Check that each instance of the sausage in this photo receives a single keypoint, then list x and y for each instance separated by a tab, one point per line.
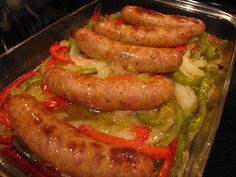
110	94
144	36
69	150
142	59
144	17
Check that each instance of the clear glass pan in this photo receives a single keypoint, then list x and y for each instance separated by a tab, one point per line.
29	54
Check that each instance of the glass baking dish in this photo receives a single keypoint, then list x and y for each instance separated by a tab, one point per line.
29	54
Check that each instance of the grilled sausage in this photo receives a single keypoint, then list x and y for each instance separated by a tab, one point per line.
110	94
142	59
70	151
144	36
144	17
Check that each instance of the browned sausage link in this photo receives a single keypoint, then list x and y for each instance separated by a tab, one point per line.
144	36
142	59
107	94
144	17
70	151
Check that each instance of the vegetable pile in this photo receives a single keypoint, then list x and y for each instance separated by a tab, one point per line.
164	133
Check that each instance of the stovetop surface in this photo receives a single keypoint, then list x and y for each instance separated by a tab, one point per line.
19	21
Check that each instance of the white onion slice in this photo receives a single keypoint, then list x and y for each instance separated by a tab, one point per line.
188	67
185	97
103	68
212	66
200	63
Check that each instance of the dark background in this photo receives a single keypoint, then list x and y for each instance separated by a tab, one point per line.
24	21
222	159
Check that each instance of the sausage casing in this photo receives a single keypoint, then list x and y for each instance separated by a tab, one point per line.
142	59
144	36
144	17
69	150
107	94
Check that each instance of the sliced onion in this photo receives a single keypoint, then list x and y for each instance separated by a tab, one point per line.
199	63
121	132
64	43
74	55
188	67
81	61
104	69
212	66
185	97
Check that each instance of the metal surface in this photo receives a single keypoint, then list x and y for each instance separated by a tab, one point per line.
28	55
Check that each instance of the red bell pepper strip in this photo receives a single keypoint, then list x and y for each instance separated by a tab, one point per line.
45	88
96	12
195	49
181	48
49	173
6	91
4	118
166	166
30	157
142	133
92	22
6	140
50	63
4	121
21	162
155	152
57	52
46	168
118	21
212	38
41	163
54	103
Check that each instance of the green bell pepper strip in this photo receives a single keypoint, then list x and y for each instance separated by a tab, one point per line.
210	49
91	24
145	119
6	91
211	52
114	16
101	18
144	76
182	144
174	132
15	160
206	84
157	165
179	77
23	150
72	42
87	70
23	87
152	120
28	155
